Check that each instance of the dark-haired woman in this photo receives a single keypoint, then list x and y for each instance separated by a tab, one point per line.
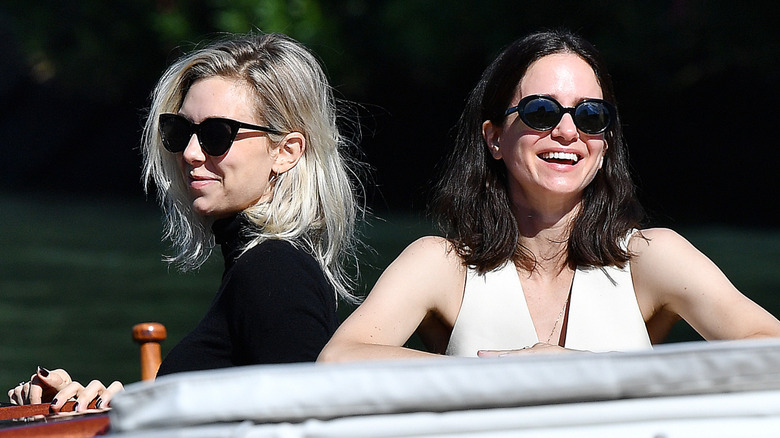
543	251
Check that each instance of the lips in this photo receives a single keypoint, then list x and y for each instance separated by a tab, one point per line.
569	158
196	177
200	181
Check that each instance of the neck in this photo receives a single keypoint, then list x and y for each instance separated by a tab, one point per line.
544	228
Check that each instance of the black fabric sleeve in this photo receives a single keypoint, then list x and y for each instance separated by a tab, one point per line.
274	306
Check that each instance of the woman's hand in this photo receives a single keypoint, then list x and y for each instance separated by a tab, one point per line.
41	388
57	387
538	348
84	396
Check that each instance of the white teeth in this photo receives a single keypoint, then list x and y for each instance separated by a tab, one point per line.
559	156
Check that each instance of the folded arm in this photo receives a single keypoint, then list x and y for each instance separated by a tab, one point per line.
425	280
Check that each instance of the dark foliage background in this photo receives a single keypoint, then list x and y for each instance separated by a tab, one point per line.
697	83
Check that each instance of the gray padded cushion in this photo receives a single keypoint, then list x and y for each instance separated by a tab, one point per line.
299	392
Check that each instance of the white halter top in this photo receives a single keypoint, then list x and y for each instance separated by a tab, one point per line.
603	313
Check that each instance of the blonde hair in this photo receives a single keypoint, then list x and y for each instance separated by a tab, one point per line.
314	204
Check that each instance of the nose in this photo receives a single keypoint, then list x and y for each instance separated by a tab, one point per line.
193	153
566	130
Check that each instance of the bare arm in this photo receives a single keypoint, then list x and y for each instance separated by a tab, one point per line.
426	279
672	277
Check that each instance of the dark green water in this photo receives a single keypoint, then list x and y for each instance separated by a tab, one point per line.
76	275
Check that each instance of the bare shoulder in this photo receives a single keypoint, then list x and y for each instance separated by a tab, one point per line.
437	248
670	271
660	252
654	239
658	255
430	256
431	243
429	269
661	245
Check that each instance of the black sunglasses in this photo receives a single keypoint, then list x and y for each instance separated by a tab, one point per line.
215	135
543	113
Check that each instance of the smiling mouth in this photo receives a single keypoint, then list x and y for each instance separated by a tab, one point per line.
569	158
194	177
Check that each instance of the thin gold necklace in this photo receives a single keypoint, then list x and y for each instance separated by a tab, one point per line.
560	315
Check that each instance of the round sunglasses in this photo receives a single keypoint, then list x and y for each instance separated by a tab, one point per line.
543	113
215	135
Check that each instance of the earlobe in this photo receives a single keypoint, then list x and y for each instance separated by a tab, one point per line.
491	133
289	152
603	156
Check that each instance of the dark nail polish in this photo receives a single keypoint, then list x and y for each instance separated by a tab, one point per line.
43	371
54	402
76	407
98	403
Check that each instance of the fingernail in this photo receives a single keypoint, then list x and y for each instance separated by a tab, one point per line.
76	407
98	403
53	402
43	371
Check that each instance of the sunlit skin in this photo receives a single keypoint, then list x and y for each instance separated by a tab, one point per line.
422	290
541	185
224	185
546	193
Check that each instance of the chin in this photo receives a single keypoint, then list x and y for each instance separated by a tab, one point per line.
202	209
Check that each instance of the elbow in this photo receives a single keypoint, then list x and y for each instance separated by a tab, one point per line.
766	334
770	330
340	351
331	353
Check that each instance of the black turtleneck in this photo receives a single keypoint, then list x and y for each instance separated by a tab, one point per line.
274	306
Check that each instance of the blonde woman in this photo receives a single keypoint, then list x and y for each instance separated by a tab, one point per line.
242	145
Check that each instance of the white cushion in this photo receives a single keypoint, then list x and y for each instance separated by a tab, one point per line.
299	395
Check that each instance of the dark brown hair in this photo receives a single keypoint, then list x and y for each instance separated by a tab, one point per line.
471	203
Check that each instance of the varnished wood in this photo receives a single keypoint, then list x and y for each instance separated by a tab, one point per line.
37	420
149	335
61	425
11	412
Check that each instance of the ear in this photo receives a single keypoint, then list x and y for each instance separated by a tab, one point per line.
288	152
492	134
603	155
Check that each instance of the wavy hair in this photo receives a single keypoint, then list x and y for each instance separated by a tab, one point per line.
314	204
471	203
